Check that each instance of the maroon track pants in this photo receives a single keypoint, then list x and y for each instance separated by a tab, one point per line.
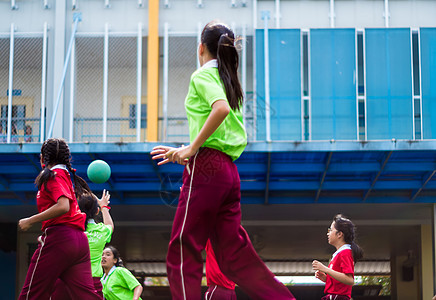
63	253
209	208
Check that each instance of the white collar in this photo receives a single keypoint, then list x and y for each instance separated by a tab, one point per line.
59	166
105	277
343	247
213	63
91	221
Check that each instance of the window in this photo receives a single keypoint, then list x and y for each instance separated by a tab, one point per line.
18	116
132	116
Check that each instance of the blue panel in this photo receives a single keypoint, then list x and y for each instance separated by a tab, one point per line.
428	80
285	84
388	83
333	84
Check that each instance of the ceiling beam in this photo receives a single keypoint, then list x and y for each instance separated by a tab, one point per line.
429	177
377	176
327	164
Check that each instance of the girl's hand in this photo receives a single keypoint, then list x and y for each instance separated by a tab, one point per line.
25	224
182	155
162	152
105	199
318	266
321	276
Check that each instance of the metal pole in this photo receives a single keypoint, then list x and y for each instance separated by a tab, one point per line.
165	81
254	107
244	70
412	83
76	17
420	86
45	4
386	13
277	13
309	85
11	81
356	78
72	90
13	5
138	83
43	83
332	13
265	17
364	85
105	79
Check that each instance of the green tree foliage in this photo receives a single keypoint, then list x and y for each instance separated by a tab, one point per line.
384	281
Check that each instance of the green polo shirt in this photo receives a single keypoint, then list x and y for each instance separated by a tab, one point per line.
119	284
98	235
204	89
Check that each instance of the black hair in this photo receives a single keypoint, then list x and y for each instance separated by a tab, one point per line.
219	40
116	254
88	204
56	151
347	227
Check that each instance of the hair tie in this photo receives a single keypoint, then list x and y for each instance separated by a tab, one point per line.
43	166
74	170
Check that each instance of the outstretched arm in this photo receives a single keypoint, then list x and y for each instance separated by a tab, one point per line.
60	208
220	110
104	202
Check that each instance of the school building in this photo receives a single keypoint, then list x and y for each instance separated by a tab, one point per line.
340	112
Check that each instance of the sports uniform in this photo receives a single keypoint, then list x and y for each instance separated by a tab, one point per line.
98	235
118	284
209	203
342	261
63	251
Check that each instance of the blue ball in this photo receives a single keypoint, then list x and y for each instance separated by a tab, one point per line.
99	171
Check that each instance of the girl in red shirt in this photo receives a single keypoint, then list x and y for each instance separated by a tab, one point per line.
63	250
339	275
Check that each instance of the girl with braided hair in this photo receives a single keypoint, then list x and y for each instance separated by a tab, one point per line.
339	275
63	250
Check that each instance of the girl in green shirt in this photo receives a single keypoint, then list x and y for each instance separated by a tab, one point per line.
209	203
118	283
99	234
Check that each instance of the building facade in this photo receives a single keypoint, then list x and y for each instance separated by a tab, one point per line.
340	112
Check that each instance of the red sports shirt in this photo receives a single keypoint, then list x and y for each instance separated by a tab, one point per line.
57	187
214	276
343	262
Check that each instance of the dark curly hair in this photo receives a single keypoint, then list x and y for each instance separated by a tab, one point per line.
56	151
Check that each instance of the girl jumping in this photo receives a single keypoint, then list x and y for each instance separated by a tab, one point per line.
63	251
209	203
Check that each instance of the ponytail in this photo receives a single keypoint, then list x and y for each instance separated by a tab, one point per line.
88	204
220	42
347	227
357	251
228	62
43	177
